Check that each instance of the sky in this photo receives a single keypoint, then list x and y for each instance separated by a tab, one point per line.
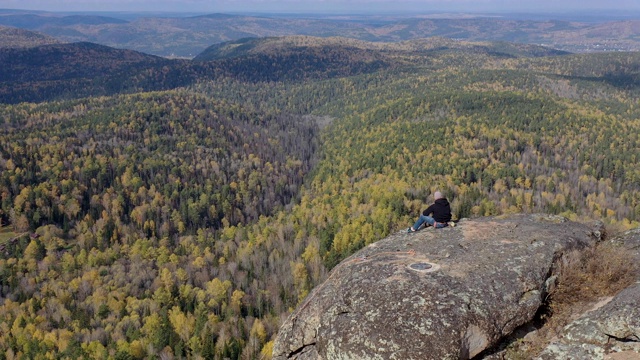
325	6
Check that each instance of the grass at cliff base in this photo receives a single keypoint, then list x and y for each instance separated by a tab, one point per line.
588	279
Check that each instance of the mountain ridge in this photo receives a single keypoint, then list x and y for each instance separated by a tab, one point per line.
11	37
252	46
188	36
83	69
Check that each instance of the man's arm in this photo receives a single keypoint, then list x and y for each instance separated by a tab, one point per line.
429	211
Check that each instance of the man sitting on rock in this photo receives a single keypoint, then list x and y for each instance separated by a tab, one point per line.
437	215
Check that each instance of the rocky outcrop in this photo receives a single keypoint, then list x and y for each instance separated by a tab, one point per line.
612	330
436	294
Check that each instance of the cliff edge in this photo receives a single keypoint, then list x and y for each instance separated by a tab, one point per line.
449	293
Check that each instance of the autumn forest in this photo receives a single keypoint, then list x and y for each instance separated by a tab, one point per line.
186	211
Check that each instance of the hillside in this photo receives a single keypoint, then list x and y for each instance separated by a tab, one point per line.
275	45
66	71
19	38
189	222
185	37
79	70
179	143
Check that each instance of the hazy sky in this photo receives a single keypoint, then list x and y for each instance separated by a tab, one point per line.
357	6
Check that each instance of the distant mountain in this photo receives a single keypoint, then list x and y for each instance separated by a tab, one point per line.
611	36
188	36
19	38
45	21
302	63
274	45
279	45
84	69
45	63
79	70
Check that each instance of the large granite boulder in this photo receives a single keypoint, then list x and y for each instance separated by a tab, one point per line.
436	294
611	330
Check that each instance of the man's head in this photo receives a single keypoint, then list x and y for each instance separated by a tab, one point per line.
438	195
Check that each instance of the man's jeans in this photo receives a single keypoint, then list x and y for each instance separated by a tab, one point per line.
429	220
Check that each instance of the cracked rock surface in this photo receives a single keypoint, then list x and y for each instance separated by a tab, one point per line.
611	331
436	294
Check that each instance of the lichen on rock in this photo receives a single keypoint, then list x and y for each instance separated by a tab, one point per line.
487	277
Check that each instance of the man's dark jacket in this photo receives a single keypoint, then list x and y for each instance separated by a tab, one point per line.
441	211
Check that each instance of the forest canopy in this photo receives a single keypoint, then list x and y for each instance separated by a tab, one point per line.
187	223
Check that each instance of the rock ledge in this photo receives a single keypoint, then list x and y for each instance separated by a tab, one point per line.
436	294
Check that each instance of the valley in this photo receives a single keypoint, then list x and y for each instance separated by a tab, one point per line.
184	207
